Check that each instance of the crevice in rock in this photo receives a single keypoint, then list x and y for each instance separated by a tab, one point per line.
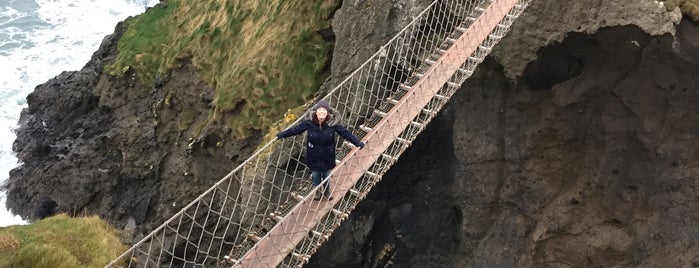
555	66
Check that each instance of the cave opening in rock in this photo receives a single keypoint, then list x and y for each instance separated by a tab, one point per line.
554	64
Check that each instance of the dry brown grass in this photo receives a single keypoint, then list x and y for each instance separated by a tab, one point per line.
9	244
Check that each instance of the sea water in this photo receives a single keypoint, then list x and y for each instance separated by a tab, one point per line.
39	39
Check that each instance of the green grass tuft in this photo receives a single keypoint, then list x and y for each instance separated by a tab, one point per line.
59	241
143	47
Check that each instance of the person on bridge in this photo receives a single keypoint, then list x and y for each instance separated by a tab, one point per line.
320	126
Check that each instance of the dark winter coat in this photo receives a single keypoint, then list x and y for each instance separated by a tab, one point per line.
320	139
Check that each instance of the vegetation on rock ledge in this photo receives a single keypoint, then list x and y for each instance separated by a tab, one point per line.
262	57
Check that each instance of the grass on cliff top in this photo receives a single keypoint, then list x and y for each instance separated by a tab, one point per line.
59	241
261	56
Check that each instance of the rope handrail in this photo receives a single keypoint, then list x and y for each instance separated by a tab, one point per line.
387	101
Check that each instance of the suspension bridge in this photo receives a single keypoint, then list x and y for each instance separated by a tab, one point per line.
262	213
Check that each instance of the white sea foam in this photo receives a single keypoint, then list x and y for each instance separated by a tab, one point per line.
39	40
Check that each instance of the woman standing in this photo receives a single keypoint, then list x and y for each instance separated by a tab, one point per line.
320	126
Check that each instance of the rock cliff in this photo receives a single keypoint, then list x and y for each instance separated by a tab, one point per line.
106	145
573	146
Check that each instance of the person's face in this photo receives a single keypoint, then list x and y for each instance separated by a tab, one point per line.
321	113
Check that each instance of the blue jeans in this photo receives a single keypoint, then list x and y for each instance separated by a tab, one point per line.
319	176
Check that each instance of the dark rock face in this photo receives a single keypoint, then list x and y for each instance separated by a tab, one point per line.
45	209
597	169
61	121
362	27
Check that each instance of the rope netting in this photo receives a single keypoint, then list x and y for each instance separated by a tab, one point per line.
262	214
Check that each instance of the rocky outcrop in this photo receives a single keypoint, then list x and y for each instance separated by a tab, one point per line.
361	27
549	22
578	154
107	145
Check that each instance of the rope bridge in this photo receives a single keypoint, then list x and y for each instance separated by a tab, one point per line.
262	213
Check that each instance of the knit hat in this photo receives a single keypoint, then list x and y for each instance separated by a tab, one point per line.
322	104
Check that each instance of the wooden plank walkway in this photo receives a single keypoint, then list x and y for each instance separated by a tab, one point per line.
271	250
